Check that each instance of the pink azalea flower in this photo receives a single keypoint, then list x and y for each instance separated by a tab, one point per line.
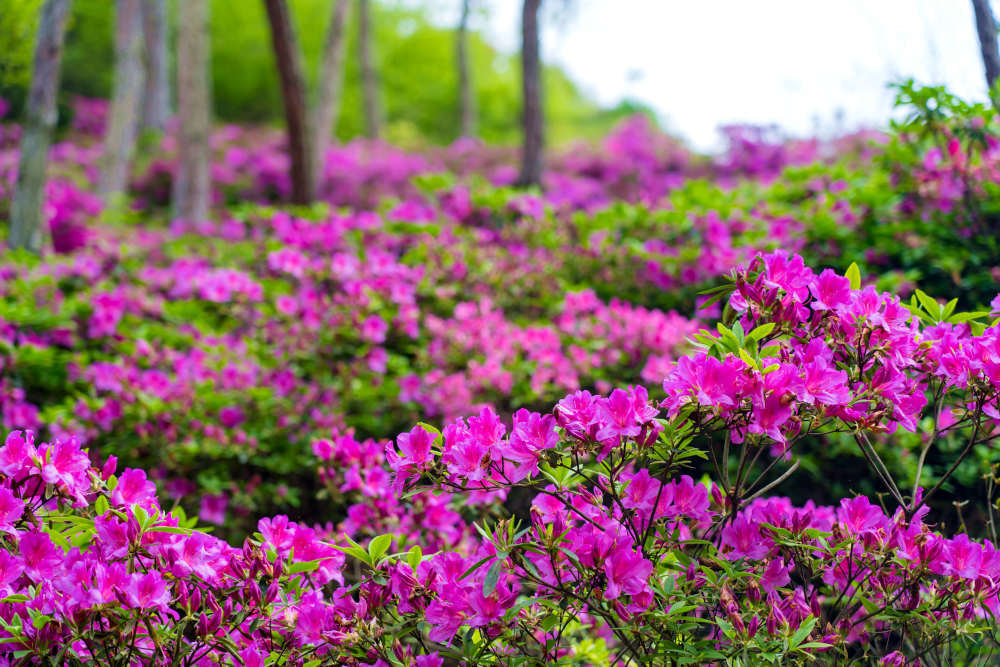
133	489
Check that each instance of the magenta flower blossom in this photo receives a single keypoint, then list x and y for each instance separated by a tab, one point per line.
532	433
617	413
17	454
12	568
148	591
742	539
489	609
231	416
414	450
859	516
445	619
63	463
770	415
42	558
374	329
133	488
628	574
213	508
775	575
963	557
830	291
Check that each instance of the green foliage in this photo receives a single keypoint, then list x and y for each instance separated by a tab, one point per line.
18	23
415	60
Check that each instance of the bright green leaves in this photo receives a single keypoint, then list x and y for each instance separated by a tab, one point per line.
736	342
853	274
930	311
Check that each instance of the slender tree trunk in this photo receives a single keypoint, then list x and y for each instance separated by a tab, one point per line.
986	27
40	119
192	187
466	97
123	116
156	103
369	75
293	93
533	123
331	78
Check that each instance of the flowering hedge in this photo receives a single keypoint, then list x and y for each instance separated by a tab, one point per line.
213	353
622	555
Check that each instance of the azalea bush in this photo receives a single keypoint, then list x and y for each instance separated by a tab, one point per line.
631	423
213	353
622	555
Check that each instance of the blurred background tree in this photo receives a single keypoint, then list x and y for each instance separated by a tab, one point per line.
415	60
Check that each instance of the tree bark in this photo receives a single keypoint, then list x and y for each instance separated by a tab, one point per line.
331	78
369	75
123	117
156	104
467	100
192	186
293	93
533	123
40	119
986	27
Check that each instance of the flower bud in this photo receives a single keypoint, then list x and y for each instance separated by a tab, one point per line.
202	627
272	593
183	598
109	467
196	599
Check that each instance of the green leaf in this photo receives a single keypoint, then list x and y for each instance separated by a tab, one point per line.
355	551
738	332
959	318
378	546
475	567
760	332
932	307
101	505
177	530
726	627
414	557
142	516
949	308
853	274
748	360
16	597
549	622
308	566
493	575
800	635
524	604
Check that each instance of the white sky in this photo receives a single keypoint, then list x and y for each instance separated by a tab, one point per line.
704	63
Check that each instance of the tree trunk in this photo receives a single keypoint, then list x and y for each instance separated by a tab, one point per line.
293	93
156	104
192	186
331	78
987	28
123	117
467	100
533	124
369	76
40	119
